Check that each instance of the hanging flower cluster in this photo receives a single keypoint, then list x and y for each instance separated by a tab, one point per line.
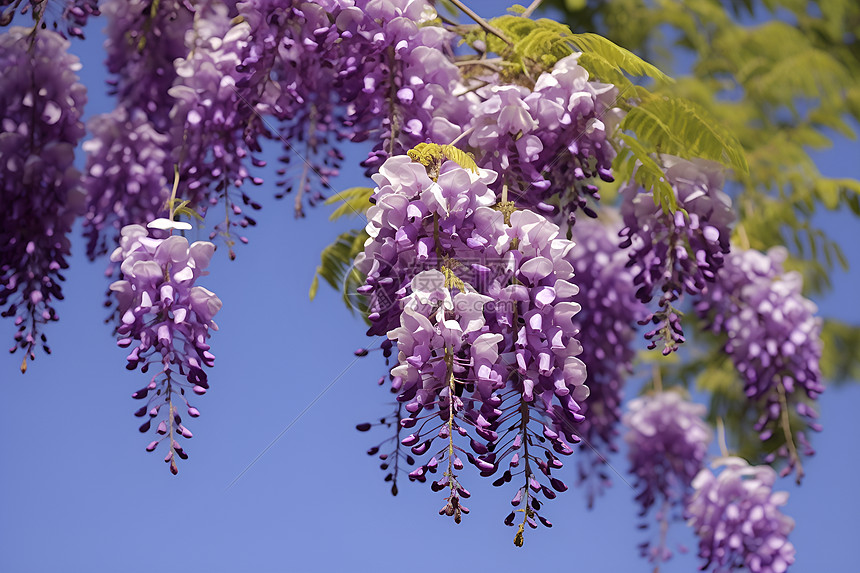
165	320
492	357
737	516
773	337
680	253
41	102
607	327
667	442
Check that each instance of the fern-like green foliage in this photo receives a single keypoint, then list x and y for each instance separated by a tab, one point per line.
840	361
353	202
775	62
428	154
599	54
536	45
634	161
678	127
336	267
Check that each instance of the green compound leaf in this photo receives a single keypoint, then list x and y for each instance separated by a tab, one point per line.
635	161
538	44
353	201
678	127
337	269
595	46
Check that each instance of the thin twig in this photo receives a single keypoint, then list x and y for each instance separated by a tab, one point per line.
721	437
657	379
742	235
786	428
462	136
532	7
481	22
483	63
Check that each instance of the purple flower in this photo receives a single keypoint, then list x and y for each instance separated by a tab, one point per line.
667	443
74	16
737	518
165	319
550	140
484	326
774	339
607	329
125	177
676	254
41	102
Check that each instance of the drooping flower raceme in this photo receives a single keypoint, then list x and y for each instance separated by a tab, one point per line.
130	156
681	253
216	127
550	140
607	328
41	102
737	517
667	442
480	305
348	70
125	175
165	320
774	339
73	16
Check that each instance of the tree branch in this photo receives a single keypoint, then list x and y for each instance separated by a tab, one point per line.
480	21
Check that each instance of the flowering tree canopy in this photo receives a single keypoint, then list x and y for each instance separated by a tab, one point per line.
546	215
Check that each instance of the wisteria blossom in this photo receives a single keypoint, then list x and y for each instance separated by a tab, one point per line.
499	335
607	328
667	442
41	103
737	517
773	337
671	255
165	318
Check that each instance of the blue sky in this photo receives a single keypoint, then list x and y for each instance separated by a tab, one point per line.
78	493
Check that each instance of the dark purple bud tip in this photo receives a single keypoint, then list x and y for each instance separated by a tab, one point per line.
545	521
361	352
363	428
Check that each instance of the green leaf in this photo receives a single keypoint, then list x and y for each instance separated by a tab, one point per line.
337	269
833	192
634	161
840	360
678	127
539	44
315	285
353	201
596	45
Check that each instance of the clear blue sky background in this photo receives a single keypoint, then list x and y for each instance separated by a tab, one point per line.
78	493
